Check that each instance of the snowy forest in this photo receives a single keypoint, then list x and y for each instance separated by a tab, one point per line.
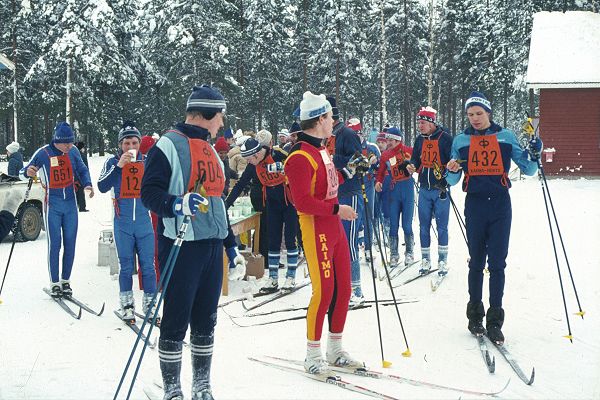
97	62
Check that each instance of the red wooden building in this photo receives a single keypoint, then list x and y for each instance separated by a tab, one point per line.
564	69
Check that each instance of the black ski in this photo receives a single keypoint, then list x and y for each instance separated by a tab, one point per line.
64	305
84	306
277	295
142	316
414	278
490	362
277	321
136	329
514	365
395	272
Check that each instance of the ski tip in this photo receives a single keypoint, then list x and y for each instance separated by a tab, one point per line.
532	376
79	315
407	353
386	364
101	310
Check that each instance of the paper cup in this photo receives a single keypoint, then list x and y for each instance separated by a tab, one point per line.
133	153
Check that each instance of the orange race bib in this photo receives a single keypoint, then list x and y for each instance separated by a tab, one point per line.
131	180
61	172
332	178
397	173
268	178
205	164
484	156
430	153
330	145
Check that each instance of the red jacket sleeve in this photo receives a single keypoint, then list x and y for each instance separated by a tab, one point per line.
299	172
385	156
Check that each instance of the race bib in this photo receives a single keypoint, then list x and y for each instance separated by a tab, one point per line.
205	165
131	180
430	153
484	156
332	177
397	173
330	145
61	172
268	178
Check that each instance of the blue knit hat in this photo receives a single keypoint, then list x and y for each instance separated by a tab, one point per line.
63	133
228	134
250	147
335	112
295	128
128	129
394	133
478	99
205	99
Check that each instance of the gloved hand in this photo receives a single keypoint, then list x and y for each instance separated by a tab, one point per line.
359	163
189	204
239	270
275	167
534	148
13	200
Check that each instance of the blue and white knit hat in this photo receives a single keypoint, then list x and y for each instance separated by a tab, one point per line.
206	99
128	129
394	133
63	133
313	105
250	147
478	99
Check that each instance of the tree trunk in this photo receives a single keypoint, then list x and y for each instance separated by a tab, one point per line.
383	87
68	115
15	85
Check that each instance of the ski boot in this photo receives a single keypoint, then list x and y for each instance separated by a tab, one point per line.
66	288
169	355
314	363
289	284
270	287
202	351
425	266
337	356
55	290
394	257
146	302
356	301
442	268
127	306
494	322
475	314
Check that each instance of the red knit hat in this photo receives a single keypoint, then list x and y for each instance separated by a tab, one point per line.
221	145
427	114
381	137
146	144
354	124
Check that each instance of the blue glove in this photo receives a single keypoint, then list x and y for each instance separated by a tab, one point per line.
188	204
534	148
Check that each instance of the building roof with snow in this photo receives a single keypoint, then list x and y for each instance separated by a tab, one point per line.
564	50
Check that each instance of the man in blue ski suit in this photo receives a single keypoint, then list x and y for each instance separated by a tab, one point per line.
56	164
343	145
401	195
132	225
484	152
371	152
430	154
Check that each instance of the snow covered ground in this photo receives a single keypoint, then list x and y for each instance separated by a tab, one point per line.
45	354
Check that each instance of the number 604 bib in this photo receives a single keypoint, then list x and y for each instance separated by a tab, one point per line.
484	156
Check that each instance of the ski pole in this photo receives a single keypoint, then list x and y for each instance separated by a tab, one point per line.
164	282
529	130
15	226
461	222
368	226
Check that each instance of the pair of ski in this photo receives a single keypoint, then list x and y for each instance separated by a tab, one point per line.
334	378
396	271
490	361
82	306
